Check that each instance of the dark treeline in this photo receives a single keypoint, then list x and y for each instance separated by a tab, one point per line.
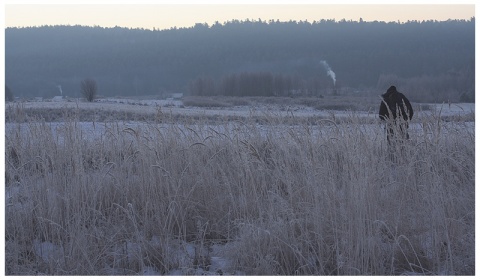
270	58
257	84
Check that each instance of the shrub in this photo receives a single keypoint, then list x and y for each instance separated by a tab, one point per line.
89	89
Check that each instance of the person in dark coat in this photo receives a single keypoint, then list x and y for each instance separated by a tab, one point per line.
396	111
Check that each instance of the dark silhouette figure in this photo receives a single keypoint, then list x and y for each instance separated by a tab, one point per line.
396	111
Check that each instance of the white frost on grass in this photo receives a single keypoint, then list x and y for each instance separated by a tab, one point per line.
183	255
175	107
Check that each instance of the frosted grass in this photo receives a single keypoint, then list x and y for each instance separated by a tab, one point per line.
270	198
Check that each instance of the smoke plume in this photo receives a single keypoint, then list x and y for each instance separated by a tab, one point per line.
329	71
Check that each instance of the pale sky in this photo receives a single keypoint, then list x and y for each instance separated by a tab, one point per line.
163	16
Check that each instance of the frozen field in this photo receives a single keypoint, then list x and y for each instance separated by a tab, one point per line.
245	190
268	118
176	107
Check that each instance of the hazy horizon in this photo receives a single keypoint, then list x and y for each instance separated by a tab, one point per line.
159	16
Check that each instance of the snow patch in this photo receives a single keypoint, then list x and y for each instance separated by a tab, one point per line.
48	251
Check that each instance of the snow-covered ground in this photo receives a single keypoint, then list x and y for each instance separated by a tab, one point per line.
94	130
210	261
216	262
176	107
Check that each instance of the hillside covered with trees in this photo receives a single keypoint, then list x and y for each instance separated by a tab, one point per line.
432	60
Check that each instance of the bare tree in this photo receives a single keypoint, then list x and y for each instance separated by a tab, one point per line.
89	89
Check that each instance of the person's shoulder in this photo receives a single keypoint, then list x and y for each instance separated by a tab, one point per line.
401	95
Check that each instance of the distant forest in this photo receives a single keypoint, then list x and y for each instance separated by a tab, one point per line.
431	61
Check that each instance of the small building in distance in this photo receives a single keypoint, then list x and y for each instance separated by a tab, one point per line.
57	98
177	96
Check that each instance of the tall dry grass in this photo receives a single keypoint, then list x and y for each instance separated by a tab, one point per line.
323	199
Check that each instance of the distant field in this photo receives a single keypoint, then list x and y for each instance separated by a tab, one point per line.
263	187
302	109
